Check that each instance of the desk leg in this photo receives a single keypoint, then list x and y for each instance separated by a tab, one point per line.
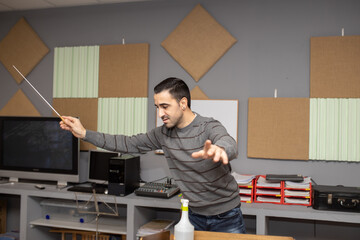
261	224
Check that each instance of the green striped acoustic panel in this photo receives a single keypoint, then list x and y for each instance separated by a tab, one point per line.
334	129
76	72
126	116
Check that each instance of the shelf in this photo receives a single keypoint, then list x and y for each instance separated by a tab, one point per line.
136	211
106	225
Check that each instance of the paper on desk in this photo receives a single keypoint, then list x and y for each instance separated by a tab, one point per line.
245	190
245	198
268	199
297	200
297	193
154	226
263	183
304	184
243	179
268	191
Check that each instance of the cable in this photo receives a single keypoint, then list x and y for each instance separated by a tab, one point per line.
168	181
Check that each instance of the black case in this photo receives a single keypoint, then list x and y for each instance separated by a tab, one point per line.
336	198
124	174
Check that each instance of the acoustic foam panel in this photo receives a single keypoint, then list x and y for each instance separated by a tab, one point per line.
19	105
335	67
127	116
197	94
23	48
124	70
198	42
278	128
334	129
76	72
84	108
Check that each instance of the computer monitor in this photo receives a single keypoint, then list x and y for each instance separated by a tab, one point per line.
37	148
99	166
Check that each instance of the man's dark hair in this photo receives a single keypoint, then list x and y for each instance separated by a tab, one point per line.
176	87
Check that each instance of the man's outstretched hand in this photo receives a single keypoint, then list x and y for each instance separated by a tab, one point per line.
211	151
74	126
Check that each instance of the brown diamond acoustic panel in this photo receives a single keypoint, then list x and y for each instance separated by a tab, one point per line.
23	48
19	105
198	42
335	67
124	70
278	128
198	94
84	108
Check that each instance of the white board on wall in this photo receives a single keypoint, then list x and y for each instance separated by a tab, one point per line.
225	111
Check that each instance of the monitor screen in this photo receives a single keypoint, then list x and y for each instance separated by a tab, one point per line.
99	166
37	148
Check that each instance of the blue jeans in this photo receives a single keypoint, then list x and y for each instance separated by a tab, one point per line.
231	221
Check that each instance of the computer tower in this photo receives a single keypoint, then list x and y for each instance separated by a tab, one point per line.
124	174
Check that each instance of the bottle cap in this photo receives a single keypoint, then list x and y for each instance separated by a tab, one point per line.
184	204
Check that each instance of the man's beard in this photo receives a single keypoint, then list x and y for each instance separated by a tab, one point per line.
169	123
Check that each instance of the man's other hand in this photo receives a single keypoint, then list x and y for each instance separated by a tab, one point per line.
211	151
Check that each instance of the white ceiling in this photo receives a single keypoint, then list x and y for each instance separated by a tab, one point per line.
14	5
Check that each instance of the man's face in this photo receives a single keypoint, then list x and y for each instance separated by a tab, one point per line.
169	109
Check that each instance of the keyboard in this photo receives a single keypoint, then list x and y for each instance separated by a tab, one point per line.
100	189
160	190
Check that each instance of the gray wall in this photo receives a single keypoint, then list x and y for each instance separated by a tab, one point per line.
272	52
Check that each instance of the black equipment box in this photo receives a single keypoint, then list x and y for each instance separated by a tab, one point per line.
124	174
336	198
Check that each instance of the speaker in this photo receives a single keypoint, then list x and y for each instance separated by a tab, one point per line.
124	174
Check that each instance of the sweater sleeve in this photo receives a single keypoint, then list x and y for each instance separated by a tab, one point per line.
219	136
139	143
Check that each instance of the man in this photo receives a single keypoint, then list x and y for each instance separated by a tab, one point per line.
197	150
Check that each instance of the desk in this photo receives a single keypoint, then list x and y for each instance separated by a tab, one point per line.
202	235
136	211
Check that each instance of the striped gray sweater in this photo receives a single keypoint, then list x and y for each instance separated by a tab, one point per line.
209	186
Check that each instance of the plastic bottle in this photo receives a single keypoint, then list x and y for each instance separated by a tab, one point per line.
184	230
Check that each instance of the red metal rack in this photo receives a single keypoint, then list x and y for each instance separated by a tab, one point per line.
247	192
283	192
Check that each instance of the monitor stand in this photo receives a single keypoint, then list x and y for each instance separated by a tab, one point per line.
61	184
13	179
